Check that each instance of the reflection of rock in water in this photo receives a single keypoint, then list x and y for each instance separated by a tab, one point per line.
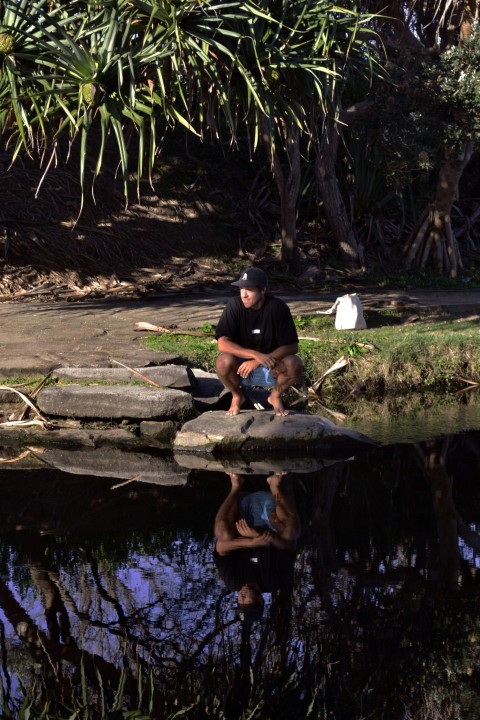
53	501
114	463
304	464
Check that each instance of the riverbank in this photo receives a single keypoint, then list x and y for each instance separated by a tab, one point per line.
399	352
37	337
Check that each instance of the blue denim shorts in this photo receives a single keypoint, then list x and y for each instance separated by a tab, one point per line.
260	377
256	508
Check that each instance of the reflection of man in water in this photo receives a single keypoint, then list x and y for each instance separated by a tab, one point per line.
256	536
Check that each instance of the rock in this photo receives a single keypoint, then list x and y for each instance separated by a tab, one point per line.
114	463
175	376
256	433
265	466
159	433
115	402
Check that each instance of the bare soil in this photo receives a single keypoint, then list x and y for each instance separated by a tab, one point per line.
48	251
193	230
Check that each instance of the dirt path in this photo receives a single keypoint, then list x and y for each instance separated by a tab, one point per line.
35	338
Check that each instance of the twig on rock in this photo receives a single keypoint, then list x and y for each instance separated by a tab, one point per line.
135	372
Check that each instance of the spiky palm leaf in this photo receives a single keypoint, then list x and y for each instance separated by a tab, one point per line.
123	64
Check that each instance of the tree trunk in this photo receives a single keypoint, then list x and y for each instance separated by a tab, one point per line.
433	236
287	180
333	204
445	513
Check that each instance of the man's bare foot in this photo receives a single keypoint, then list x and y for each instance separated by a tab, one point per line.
275	401
275	479
237	402
236	480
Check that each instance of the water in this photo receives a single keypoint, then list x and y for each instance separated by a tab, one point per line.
111	604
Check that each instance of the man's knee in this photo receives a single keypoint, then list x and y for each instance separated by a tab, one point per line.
224	363
292	366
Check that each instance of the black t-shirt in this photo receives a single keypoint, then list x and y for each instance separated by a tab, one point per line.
262	330
270	567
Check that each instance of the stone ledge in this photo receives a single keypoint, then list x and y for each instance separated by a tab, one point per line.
261	431
115	402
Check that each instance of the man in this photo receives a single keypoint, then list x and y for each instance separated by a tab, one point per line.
256	537
258	342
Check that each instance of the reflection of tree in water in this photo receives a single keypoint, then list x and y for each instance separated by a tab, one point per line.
382	620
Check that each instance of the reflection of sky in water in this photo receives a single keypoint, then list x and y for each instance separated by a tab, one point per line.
167	603
175	599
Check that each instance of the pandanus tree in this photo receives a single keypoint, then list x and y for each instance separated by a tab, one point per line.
292	55
453	84
126	67
428	119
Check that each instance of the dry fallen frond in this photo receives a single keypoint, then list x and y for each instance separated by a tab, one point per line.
15	459
25	423
342	362
40	420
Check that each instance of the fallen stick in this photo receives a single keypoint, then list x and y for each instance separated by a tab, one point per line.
33	395
465	380
126	482
158	328
330	340
135	372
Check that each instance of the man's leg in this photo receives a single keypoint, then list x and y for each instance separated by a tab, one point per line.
287	372
226	367
228	513
284	518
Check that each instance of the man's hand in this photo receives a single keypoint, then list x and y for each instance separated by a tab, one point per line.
247	367
266	538
244	529
269	361
258	539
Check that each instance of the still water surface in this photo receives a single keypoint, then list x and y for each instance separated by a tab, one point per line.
112	604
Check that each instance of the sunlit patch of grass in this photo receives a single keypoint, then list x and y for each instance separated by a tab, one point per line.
193	351
390	353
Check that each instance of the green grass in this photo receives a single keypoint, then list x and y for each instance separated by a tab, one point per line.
193	351
390	354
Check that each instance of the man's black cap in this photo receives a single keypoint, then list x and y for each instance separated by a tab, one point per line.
252	278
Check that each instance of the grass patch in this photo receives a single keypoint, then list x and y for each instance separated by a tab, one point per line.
192	351
391	355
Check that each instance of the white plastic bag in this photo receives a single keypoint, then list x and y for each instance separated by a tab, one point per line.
349	313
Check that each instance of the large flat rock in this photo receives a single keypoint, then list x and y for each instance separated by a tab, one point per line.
262	432
174	376
115	402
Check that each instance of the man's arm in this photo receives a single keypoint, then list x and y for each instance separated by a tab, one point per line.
223	547
267	359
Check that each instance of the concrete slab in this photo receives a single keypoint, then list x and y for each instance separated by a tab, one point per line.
115	402
173	376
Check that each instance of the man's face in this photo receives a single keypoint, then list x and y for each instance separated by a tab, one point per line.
252	298
249	596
